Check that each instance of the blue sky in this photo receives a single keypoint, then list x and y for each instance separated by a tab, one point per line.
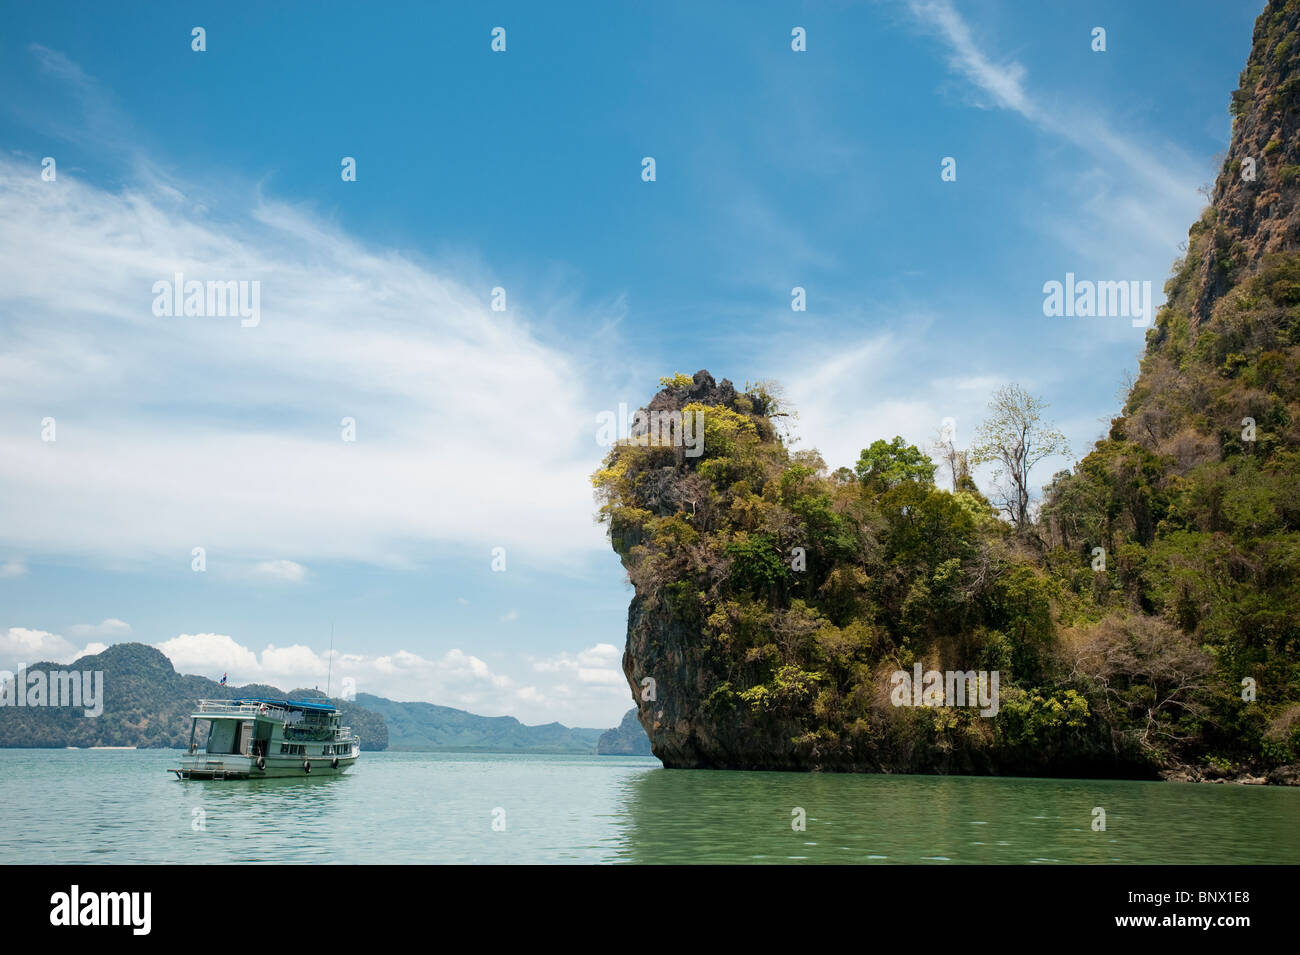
522	169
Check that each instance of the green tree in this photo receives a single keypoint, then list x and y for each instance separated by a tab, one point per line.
887	465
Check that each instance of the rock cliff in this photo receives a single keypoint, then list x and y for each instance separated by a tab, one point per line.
1253	212
777	601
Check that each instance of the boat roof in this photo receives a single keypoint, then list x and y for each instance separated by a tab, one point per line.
291	704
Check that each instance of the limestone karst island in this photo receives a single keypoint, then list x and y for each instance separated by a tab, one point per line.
1143	622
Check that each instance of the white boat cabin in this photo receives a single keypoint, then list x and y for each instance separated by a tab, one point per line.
255	738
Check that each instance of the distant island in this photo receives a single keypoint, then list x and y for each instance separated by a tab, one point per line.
147	705
427	727
626	739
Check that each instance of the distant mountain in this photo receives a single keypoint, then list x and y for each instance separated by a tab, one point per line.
428	727
148	704
627	739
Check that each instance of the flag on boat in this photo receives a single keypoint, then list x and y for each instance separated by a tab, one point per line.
223	679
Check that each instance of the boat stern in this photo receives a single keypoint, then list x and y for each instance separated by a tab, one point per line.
204	766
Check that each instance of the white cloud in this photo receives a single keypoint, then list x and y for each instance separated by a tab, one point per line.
850	395
980	385
1132	210
456	678
459	666
1004	82
12	568
111	627
212	653
298	665
448	396
605	676
22	645
599	664
281	570
1125	201
855	392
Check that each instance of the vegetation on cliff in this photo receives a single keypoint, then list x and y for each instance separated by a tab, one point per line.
784	596
1146	618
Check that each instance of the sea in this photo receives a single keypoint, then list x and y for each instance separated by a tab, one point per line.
101	806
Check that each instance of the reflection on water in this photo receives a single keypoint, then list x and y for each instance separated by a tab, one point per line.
79	806
701	816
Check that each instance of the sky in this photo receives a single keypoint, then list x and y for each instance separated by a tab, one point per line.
474	430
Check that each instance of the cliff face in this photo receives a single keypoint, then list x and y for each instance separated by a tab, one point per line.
776	600
684	731
665	644
1254	215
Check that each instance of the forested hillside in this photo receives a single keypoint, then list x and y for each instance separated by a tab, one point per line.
1144	620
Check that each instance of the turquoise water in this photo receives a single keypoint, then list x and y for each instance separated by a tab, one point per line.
123	807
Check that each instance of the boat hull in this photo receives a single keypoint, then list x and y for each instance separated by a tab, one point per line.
223	768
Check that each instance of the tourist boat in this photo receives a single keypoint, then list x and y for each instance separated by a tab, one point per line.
252	739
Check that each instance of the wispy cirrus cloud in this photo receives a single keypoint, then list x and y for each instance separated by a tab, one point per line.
1145	186
175	432
1003	81
284	571
110	627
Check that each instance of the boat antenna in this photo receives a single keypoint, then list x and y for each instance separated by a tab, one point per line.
329	676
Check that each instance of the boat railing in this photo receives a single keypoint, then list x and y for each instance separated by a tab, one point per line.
230	708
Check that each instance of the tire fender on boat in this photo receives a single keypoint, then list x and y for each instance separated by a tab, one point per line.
261	763
334	764
306	765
